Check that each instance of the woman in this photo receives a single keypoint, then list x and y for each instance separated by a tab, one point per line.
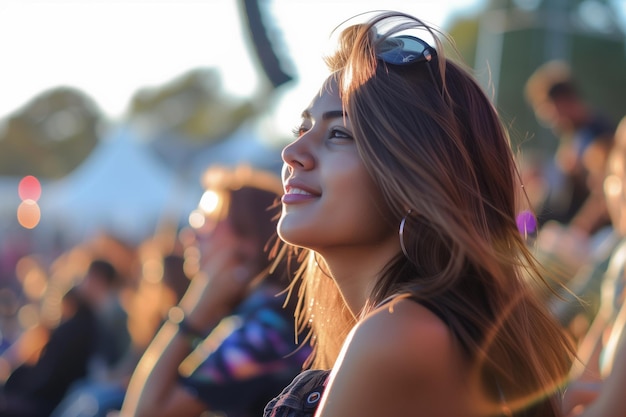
401	185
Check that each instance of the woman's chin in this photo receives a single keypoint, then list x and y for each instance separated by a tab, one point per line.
294	235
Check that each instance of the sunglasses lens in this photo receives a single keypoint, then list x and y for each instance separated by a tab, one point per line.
403	50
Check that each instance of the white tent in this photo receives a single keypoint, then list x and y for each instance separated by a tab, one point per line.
125	189
121	188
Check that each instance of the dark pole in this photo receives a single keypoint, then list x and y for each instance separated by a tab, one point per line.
265	50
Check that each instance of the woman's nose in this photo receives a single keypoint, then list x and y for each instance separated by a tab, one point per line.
297	155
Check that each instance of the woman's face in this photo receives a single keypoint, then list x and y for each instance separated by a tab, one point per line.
615	182
330	200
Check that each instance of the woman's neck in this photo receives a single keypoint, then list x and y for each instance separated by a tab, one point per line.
356	270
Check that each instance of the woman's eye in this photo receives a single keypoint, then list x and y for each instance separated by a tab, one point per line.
339	134
334	133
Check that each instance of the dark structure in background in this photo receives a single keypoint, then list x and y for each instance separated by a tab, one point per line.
265	39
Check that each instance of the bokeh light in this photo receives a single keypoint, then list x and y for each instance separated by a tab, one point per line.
29	188
196	219
209	201
526	223
28	316
152	270
612	186
28	214
32	276
35	284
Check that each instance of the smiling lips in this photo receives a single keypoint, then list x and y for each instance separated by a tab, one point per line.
294	195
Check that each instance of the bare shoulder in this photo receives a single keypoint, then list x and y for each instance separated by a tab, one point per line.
405	353
405	327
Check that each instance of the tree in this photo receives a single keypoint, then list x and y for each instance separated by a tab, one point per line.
191	106
50	135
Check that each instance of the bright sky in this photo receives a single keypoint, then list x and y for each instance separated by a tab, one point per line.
111	48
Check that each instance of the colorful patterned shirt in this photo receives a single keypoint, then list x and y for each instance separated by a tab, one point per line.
254	361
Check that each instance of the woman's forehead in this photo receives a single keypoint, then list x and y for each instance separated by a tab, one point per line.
327	99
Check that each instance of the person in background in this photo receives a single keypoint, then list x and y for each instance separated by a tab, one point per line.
34	390
97	395
402	186
581	262
573	217
229	346
599	374
101	288
556	100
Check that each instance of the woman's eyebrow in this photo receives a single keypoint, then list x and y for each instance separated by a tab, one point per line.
331	114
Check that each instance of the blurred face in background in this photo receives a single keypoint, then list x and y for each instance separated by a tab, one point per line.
616	180
239	226
220	234
241	250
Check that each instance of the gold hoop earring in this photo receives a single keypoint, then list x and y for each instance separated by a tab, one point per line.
320	265
401	233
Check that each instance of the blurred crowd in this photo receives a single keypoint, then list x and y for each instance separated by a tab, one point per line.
84	316
75	329
579	201
84	332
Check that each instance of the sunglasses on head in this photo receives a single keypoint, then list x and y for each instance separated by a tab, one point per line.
404	50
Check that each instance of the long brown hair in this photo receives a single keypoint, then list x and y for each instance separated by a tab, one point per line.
435	145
